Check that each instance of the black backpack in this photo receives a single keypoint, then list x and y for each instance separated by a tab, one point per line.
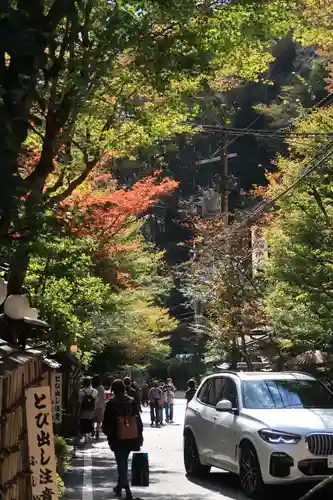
88	402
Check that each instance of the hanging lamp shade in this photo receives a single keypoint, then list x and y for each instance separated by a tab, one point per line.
17	306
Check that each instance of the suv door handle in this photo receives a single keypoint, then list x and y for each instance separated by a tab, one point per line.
215	418
196	411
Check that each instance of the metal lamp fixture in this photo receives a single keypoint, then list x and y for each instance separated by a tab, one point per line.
16	306
3	291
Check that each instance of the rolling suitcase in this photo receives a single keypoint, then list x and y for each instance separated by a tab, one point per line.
140	469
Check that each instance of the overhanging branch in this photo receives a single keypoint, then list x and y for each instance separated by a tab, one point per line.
57	185
58	10
320	203
75	183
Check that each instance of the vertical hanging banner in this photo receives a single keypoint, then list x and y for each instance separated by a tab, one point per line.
41	443
259	250
56	393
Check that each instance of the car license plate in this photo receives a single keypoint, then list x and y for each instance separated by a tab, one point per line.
330	462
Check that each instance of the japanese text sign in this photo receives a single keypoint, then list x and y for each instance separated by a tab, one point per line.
41	443
56	393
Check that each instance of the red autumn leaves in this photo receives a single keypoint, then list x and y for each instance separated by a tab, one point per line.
102	209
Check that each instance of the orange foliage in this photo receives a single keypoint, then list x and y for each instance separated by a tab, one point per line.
259	191
273	178
28	161
101	209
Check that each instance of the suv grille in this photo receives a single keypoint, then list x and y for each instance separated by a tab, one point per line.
320	444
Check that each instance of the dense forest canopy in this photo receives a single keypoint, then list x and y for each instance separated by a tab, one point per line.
106	111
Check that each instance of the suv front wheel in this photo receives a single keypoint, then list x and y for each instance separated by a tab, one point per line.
193	466
250	473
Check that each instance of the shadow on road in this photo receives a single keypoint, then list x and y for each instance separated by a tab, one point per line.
167	483
227	484
221	482
167	496
74	480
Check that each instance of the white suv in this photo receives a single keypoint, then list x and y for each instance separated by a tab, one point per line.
269	428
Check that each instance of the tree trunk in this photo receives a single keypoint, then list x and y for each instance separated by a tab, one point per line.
278	365
29	29
18	80
21	257
246	355
18	269
234	355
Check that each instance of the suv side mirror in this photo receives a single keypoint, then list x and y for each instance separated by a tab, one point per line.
224	405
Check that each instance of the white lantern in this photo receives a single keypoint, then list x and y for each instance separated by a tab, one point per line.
16	306
32	313
3	291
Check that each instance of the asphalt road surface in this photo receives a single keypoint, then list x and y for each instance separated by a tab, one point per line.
92	475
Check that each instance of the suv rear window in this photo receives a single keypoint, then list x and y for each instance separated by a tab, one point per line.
269	394
213	390
216	390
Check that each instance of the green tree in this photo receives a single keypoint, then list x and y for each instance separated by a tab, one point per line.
221	278
299	269
64	288
100	303
82	78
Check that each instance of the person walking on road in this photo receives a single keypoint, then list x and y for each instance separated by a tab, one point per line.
132	390
100	405
144	394
88	397
162	387
123	427
171	384
191	389
170	396
155	395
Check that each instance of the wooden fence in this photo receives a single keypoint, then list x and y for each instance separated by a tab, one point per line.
18	371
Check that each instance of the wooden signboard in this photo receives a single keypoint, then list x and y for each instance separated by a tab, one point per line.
56	393
41	443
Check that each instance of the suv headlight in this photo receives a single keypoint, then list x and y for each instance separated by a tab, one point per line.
277	437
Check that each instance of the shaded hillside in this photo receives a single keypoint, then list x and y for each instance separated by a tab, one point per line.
167	225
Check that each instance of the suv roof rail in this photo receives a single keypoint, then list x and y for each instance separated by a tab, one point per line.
298	371
233	372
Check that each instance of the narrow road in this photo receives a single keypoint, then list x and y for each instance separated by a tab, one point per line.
93	473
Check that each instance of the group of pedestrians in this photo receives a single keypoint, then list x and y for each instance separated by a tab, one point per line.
92	406
161	400
117	412
123	427
159	396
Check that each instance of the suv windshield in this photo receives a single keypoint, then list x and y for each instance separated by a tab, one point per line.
269	394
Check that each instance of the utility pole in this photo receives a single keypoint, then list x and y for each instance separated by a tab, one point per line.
224	181
225	212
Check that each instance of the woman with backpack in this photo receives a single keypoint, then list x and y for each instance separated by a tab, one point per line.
123	426
88	397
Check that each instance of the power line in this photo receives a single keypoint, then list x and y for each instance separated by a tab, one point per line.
283	131
259	116
266	133
308	111
310	169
